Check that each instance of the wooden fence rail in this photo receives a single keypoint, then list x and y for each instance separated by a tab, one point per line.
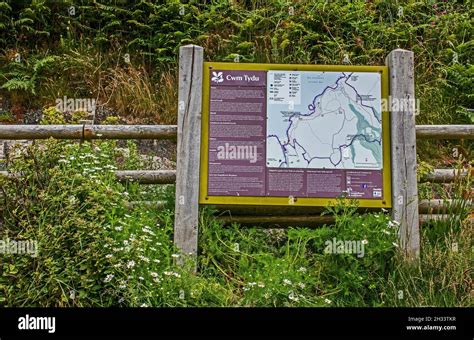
88	132
147	176
445	131
446	175
139	176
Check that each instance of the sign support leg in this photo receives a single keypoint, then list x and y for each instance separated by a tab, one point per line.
188	152
403	150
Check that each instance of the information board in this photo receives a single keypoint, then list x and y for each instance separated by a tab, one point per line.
294	134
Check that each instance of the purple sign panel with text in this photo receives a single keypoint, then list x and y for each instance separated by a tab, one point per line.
237	133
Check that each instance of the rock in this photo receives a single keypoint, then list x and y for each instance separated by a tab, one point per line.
33	116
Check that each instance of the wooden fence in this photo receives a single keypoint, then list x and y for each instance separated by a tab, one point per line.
407	209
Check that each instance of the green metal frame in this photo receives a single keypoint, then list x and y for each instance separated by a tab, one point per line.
204	198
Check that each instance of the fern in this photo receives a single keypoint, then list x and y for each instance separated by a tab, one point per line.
24	77
20	83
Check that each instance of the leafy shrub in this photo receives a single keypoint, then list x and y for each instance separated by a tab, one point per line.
359	280
291	268
91	251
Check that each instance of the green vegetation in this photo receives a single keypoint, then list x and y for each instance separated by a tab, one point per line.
96	250
91	42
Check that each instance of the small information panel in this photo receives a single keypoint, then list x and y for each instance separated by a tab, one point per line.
294	134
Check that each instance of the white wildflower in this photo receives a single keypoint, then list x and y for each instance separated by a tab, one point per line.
131	264
393	224
286	282
109	278
365	241
148	231
293	297
327	301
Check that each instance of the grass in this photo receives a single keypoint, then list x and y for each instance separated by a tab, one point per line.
132	92
443	276
94	250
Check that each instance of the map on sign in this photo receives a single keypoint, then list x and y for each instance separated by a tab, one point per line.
324	120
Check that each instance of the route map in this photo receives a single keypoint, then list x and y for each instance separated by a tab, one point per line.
324	120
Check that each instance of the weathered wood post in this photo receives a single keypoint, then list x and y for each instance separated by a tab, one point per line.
403	146
188	153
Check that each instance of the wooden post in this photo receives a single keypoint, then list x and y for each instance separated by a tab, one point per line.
403	146
188	154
